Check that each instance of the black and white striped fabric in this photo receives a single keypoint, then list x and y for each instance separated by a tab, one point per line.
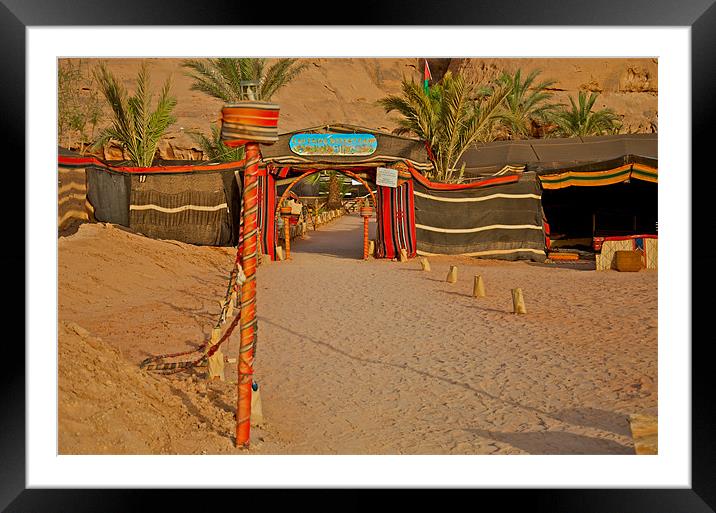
499	221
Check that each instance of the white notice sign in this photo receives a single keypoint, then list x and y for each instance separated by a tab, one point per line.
386	177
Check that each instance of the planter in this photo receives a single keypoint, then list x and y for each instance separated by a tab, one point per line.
249	121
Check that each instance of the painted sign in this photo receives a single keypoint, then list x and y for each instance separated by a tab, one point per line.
333	144
386	177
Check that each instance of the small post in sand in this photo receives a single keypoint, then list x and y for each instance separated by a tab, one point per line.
452	274
518	302
257	414
215	369
279	253
403	255
425	264
478	290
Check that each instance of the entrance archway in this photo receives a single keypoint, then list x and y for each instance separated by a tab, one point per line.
364	214
310	172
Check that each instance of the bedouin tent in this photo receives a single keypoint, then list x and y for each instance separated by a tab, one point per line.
511	220
189	201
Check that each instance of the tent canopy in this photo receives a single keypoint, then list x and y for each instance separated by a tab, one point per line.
545	156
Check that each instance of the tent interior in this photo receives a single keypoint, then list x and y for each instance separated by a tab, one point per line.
577	214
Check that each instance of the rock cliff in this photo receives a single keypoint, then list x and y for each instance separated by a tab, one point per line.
345	90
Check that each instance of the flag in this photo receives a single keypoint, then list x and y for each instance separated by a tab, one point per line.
426	76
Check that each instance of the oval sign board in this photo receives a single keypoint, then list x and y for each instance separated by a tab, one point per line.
333	144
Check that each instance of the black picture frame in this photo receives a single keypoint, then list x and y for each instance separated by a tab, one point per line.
17	15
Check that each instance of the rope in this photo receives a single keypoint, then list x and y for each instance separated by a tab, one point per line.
236	276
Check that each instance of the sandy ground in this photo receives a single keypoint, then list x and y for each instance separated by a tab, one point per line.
354	357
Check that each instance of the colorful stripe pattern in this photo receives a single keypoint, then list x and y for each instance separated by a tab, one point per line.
396	221
266	214
249	121
596	178
73	205
502	220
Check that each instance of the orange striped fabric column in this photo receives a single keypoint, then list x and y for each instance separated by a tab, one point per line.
248	296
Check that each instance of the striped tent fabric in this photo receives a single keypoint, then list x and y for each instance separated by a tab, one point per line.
189	207
188	201
73	206
266	213
502	221
582	176
396	221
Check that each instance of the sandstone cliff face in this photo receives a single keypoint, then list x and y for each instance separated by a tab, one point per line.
346	91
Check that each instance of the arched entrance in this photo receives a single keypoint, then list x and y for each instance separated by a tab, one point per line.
310	172
366	212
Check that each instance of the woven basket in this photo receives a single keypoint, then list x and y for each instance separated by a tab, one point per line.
629	261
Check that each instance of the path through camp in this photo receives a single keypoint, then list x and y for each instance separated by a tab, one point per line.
366	357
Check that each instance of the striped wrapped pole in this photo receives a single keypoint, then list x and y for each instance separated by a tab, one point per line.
248	254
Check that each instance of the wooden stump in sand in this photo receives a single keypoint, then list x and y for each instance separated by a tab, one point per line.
645	433
425	264
215	369
478	290
257	414
518	302
452	274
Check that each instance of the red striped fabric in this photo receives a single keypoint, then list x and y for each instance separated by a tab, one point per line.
396	221
76	161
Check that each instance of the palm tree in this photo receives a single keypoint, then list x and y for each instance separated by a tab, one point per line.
581	121
135	126
527	102
221	78
214	148
450	118
336	187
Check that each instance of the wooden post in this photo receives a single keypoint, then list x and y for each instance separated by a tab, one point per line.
425	264
452	274
366	249
215	361
287	236
257	414
403	255
478	290
279	253
518	302
248	296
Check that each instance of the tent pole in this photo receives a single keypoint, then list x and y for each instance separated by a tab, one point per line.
248	297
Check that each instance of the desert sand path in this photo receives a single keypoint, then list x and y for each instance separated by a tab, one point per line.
379	357
353	357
